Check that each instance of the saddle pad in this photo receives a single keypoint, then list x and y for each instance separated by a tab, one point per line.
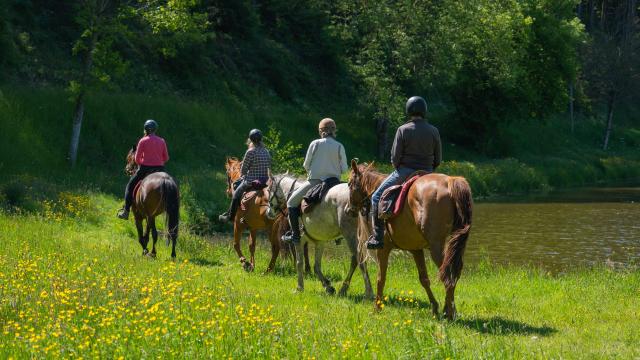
402	196
136	189
249	196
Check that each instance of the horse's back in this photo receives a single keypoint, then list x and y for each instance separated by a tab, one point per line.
150	195
427	217
329	220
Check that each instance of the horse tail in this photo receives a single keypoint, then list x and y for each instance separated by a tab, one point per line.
451	267
171	197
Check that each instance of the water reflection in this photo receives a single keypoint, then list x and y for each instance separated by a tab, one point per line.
559	231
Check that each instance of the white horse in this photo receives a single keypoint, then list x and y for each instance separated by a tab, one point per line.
328	221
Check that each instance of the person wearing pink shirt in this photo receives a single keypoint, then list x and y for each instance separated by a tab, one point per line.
151	154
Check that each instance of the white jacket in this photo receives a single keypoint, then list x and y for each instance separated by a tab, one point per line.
325	158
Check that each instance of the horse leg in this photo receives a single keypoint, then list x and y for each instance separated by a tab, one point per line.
368	290
449	304
141	235
275	250
347	280
307	263
300	263
383	264
252	251
317	268
418	257
154	233
237	235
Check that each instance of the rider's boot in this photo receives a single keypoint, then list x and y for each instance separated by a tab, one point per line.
376	240
293	236
123	213
230	214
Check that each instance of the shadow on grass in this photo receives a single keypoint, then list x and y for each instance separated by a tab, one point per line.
499	326
205	262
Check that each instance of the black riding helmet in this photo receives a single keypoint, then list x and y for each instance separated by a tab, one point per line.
150	125
416	106
255	136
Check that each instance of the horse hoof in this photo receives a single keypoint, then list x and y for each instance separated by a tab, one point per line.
331	290
342	292
248	267
299	289
145	252
151	255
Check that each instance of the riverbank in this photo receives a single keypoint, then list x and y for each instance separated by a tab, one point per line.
73	284
36	123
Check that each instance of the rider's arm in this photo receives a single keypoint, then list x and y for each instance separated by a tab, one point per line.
308	160
396	149
343	160
165	152
437	158
140	151
247	161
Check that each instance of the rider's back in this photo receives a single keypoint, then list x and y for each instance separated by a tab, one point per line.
417	146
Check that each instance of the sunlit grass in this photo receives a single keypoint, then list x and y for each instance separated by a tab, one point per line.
71	287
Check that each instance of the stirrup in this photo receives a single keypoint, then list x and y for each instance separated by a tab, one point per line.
288	237
123	214
374	244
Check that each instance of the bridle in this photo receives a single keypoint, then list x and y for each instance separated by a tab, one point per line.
284	198
364	205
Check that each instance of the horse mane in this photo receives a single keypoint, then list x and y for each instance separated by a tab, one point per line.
370	177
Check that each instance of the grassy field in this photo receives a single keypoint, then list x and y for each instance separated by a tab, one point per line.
73	284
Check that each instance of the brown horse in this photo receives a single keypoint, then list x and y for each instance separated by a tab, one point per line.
157	193
253	218
436	215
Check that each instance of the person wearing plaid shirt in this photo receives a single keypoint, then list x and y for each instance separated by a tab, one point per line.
256	167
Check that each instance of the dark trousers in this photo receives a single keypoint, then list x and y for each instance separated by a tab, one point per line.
142	172
237	197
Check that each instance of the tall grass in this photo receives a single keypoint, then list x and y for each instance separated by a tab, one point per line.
72	287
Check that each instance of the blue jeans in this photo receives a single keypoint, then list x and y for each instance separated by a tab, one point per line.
398	176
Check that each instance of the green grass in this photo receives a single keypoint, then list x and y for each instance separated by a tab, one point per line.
73	284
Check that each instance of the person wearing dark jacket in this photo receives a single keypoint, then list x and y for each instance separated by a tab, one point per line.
416	147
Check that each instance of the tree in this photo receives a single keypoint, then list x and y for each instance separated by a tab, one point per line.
98	21
611	57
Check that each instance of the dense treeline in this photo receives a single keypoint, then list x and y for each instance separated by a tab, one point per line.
486	66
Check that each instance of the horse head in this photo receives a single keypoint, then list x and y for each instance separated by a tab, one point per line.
131	167
232	168
360	187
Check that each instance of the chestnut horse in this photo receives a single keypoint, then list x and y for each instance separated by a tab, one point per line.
253	218
436	215
157	193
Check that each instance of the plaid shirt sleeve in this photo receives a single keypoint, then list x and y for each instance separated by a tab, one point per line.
247	162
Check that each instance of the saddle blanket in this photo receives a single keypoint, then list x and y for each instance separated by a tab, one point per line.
315	194
393	198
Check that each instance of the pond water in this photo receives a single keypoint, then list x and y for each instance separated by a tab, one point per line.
560	230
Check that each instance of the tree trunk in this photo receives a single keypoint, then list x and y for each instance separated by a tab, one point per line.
79	102
607	133
382	132
571	107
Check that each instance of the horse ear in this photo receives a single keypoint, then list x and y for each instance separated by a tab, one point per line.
354	165
371	166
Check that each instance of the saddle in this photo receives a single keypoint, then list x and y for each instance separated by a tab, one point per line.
257	188
315	195
393	198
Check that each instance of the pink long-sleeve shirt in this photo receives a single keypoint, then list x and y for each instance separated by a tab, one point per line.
151	151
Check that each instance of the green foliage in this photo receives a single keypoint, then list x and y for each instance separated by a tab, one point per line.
285	156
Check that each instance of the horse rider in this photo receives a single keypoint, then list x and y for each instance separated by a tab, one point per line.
325	159
151	155
256	169
416	147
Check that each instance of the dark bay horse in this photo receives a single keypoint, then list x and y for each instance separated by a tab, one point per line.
253	218
435	216
157	193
